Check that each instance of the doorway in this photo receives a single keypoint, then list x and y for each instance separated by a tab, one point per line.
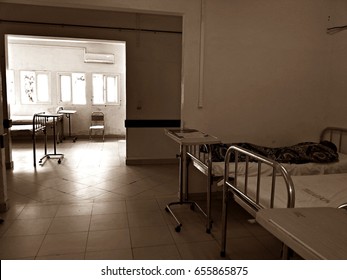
44	73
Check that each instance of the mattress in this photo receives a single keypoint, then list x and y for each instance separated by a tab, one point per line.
21	120
329	190
293	169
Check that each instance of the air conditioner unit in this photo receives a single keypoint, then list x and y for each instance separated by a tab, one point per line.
99	58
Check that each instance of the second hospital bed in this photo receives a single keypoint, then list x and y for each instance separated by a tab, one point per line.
280	190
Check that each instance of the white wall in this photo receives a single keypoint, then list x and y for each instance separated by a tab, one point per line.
266	77
68	56
338	86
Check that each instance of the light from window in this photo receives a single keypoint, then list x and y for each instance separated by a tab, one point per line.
79	88
42	87
112	89
34	87
98	89
73	88
27	79
65	88
10	86
105	89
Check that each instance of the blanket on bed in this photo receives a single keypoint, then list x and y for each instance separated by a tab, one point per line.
305	152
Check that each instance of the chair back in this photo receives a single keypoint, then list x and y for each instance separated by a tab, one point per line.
97	118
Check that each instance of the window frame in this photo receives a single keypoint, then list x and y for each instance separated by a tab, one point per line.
72	98
105	95
35	101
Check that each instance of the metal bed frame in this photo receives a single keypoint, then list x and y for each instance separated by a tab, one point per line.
40	121
239	192
331	133
251	205
202	161
39	126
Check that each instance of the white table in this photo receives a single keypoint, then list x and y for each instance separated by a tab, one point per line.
313	233
186	137
68	114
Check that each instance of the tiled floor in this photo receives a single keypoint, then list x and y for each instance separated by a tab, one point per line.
92	206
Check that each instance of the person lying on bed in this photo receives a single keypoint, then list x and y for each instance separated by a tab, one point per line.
305	152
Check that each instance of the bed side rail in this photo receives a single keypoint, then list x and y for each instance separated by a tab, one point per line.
39	122
335	135
242	193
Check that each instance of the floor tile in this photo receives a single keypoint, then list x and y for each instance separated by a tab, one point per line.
38	211
77	256
142	205
18	247
150	236
75	210
145	219
206	250
108	240
121	254
109	207
29	227
108	221
67	224
63	243
168	252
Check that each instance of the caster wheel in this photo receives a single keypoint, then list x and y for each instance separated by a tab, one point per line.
167	210
178	228
59	161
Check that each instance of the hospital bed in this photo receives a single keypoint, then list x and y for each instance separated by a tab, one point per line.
279	190
203	158
37	125
24	123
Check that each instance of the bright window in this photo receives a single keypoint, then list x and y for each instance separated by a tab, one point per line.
73	88
65	88
42	87
34	87
105	89
10	86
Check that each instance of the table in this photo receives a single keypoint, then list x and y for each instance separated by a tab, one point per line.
186	137
43	159
313	233
68	114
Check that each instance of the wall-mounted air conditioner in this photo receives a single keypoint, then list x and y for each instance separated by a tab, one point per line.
99	58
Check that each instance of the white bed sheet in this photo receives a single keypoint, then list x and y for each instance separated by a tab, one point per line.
328	190
293	169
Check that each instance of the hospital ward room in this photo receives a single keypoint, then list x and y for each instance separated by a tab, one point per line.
210	130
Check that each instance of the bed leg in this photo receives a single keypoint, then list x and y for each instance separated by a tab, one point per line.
224	221
208	206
